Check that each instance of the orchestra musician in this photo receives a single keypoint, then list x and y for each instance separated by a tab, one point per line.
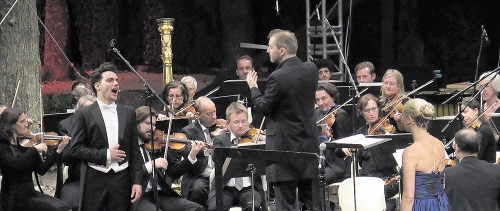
472	184
244	65
104	137
423	161
326	97
325	68
176	95
195	183
191	85
487	151
168	199
288	104
365	72
392	90
237	191
489	97
18	163
368	106
71	187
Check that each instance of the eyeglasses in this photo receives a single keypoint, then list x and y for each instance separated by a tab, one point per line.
239	122
367	111
174	96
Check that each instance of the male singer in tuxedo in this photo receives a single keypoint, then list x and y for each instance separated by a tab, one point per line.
168	199
472	184
288	105
237	191
195	184
104	137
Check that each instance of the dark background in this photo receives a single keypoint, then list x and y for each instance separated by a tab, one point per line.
413	36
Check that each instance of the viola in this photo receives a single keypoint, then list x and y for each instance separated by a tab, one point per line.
380	127
29	139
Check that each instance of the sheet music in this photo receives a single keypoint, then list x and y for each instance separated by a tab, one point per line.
359	141
371	84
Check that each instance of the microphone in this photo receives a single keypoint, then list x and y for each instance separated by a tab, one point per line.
277	8
485	35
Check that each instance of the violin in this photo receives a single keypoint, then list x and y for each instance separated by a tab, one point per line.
221	123
51	139
184	110
392	180
251	136
450	162
176	142
394	105
380	127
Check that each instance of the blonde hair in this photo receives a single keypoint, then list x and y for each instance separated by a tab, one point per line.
419	110
399	79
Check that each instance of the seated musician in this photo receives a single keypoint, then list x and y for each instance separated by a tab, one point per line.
192	86
237	191
325	69
365	72
326	98
490	96
195	184
393	90
487	151
168	199
18	164
71	188
368	106
176	95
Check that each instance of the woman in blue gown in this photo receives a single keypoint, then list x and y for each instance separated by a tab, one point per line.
423	161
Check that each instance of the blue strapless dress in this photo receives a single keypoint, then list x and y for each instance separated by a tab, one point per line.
429	192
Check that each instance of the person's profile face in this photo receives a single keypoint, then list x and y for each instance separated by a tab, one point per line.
273	51
207	114
145	128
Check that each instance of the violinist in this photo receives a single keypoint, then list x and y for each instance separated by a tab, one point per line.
237	191
71	188
489	96
176	95
326	97
368	106
487	151
169	200
195	184
18	163
191	85
392	90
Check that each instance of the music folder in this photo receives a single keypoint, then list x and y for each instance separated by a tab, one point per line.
177	124
399	140
51	121
237	166
222	102
358	141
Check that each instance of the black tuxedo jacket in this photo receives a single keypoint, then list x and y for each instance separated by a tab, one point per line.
65	126
224	140
89	141
193	131
288	104
473	184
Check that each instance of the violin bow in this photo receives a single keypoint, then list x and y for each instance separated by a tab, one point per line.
15	95
336	109
191	104
260	129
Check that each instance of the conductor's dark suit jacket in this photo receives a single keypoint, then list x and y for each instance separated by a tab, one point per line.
288	105
473	184
89	141
193	131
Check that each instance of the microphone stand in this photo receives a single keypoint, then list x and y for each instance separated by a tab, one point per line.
468	87
462	108
151	93
321	176
343	57
477	60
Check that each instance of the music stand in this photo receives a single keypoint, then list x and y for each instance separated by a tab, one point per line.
436	125
222	102
51	121
361	142
266	156
399	140
177	124
234	87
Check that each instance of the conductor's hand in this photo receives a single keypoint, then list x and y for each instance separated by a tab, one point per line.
116	154
41	147
161	163
347	151
252	79
63	144
196	146
136	192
